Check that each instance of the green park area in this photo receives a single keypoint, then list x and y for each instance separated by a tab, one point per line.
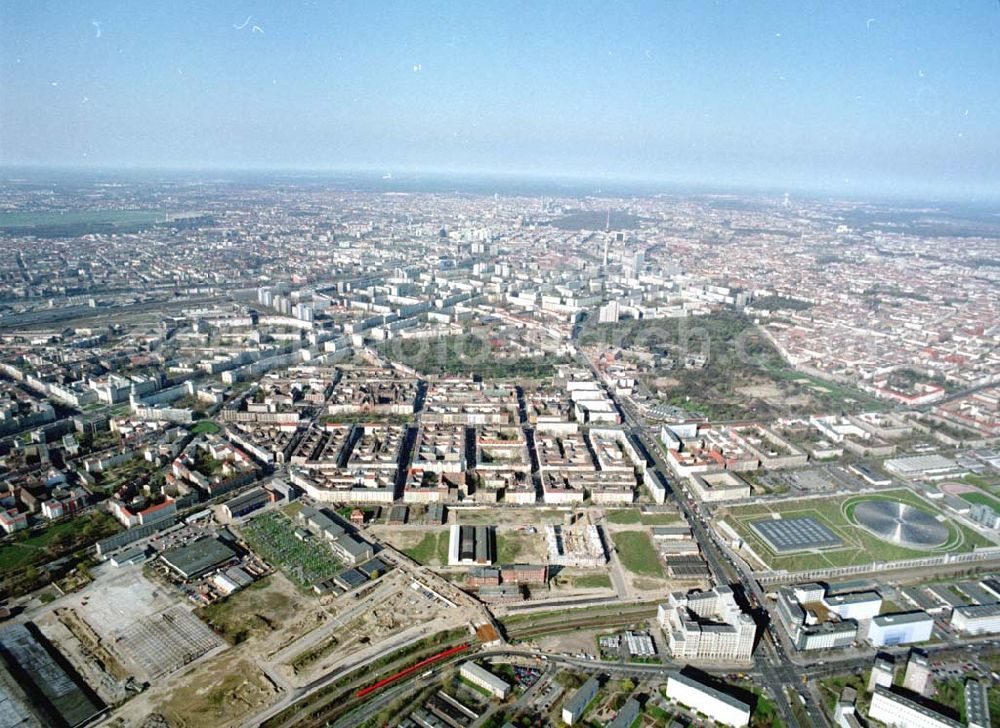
205	427
859	546
67	541
743	375
33	547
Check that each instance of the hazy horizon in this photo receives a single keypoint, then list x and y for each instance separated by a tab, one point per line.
889	98
475	182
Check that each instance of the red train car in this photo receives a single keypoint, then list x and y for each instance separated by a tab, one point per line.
413	668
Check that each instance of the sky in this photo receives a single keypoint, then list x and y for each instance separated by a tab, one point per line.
844	95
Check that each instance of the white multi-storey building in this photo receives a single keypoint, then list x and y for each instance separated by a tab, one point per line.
485	679
977	619
707	625
895	709
900	629
718	706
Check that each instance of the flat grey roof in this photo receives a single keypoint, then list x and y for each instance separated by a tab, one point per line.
918	707
252	495
579	700
485	675
884	620
627	715
198	557
977	709
25	646
979	610
708	690
853	598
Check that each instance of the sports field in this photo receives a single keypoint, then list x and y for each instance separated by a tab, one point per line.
859	545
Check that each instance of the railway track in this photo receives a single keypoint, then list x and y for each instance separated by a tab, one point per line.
562	625
330	706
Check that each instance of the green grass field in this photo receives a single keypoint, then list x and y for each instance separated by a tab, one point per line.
56	223
56	540
637	553
23	219
431	546
978	497
592	581
859	546
630	516
205	427
623	516
509	548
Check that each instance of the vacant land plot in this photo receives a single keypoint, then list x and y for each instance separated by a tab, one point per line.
360	626
515	546
836	514
221	692
592	581
427	546
305	562
568	580
583	581
120	595
508	516
637	553
628	516
433	547
268	607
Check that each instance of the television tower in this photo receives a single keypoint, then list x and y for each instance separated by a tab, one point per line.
607	236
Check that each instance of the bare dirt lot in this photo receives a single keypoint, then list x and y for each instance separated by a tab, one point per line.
221	691
573	642
88	653
220	688
389	610
269	615
122	595
516	544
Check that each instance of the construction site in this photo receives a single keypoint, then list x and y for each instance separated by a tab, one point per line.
389	610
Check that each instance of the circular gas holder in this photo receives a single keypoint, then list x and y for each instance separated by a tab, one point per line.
900	524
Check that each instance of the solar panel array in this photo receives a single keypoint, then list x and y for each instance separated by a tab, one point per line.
795	534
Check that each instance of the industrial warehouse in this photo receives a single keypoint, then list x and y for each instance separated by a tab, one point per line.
471	545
